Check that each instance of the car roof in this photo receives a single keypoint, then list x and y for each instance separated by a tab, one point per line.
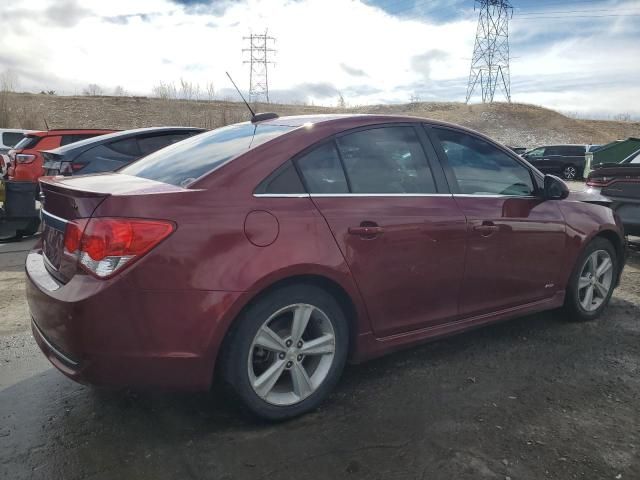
136	132
69	131
334	118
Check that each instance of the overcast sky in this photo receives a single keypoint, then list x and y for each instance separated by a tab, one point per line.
578	56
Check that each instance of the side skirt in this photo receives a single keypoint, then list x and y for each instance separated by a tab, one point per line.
368	346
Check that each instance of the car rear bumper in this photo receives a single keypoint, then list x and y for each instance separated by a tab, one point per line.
111	333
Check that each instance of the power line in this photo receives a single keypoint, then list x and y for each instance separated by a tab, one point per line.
573	16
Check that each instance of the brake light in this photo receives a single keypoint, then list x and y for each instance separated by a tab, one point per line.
25	158
106	245
599	182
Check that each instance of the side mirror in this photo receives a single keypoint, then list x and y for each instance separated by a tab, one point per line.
555	188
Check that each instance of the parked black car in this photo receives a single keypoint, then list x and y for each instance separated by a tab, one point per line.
621	184
110	152
564	160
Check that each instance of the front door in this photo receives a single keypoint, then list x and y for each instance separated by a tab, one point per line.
516	240
403	237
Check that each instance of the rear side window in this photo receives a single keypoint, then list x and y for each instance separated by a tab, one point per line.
482	169
322	171
284	180
10	139
575	151
153	143
67	139
386	160
27	142
184	162
127	146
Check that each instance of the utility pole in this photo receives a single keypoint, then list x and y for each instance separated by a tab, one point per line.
490	62
259	60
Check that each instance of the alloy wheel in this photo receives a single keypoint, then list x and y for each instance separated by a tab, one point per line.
596	278
291	354
570	173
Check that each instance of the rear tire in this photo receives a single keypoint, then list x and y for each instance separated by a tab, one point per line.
592	281
286	351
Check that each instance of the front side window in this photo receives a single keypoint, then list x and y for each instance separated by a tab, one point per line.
482	169
386	160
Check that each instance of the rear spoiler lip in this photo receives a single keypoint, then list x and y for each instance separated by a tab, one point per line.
55	185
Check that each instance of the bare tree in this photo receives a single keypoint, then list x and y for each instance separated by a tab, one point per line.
211	91
8	81
166	91
92	90
119	91
414	98
341	102
622	117
8	84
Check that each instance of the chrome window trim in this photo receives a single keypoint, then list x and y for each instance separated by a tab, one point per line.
281	195
330	195
55	217
493	195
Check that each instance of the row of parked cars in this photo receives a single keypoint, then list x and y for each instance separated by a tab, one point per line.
25	156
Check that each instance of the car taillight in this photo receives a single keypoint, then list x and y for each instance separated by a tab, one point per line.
599	182
25	158
105	245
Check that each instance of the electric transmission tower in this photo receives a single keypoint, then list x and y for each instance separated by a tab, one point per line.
490	62
259	60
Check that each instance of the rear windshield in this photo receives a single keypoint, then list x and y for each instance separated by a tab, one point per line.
27	142
183	162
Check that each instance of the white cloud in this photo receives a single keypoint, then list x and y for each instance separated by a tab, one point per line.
324	46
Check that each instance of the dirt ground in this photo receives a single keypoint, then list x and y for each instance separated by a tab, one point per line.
536	397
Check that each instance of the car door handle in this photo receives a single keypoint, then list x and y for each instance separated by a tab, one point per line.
486	229
366	231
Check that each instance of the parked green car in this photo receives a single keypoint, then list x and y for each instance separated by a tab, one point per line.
611	153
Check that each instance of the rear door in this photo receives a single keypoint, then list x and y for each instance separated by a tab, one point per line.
395	221
516	240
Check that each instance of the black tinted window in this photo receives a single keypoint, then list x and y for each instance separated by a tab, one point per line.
183	162
322	170
67	139
10	139
481	168
153	143
284	180
386	160
578	151
128	147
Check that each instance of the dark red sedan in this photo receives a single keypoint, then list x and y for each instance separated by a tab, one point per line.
272	252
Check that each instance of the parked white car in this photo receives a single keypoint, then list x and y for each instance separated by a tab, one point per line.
9	137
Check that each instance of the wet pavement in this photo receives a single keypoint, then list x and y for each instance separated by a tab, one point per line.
536	397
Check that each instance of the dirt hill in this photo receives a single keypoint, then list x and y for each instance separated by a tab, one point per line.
512	124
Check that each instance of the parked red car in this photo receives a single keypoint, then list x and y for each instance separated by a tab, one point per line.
296	244
26	159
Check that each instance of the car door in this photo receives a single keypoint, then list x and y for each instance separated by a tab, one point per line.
515	239
397	225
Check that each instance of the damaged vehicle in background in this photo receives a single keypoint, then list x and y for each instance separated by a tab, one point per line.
296	244
108	153
620	183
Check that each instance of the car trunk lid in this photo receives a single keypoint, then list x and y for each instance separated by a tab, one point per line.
66	199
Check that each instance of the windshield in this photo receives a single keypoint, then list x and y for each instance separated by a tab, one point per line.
182	163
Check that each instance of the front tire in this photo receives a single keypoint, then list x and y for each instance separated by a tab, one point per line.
592	281
287	351
570	172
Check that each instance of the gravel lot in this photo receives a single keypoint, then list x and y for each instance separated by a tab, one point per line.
536	397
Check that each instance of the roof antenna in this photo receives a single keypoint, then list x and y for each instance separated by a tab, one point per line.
254	118
45	123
